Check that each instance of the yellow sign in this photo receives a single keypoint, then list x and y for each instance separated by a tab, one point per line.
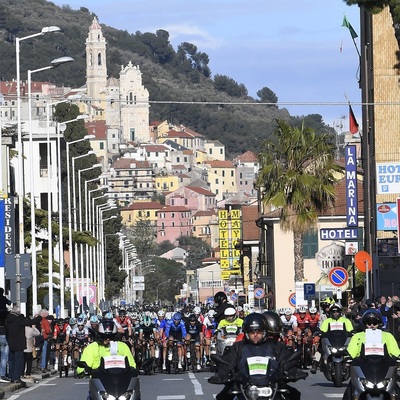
223	243
224	263
226	275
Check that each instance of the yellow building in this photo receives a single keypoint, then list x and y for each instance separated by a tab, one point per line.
221	177
166	183
140	210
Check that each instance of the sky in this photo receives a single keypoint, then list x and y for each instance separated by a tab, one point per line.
297	48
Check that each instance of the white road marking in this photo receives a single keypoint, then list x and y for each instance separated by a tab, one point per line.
333	395
172	397
198	390
173	379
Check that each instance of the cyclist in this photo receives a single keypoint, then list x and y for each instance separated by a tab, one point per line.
61	334
209	327
194	331
174	330
79	337
148	333
94	327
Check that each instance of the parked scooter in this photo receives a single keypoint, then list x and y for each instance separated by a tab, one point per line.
114	379
374	377
334	350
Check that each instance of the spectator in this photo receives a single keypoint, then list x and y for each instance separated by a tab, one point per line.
4	350
15	327
393	315
4	302
30	333
353	312
46	331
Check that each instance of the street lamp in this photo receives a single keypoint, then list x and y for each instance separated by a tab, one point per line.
61	127
54	63
47	29
71	258
157	300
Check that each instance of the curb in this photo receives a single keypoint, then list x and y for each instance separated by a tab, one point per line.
12	387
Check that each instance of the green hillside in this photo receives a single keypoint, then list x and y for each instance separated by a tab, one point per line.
177	79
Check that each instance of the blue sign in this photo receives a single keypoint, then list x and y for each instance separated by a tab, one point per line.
2	233
292	299
309	291
234	296
386	217
351	186
259	293
338	276
339	234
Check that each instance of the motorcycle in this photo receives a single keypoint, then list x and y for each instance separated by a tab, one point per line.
226	337
334	350
373	377
271	384
114	379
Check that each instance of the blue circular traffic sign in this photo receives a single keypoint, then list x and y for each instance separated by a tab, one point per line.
338	276
292	299
234	296
259	293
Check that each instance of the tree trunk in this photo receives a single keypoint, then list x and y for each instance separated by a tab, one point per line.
298	257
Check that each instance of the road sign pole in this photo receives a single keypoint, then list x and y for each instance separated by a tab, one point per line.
366	279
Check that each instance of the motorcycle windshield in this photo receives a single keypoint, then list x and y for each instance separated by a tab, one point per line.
337	339
115	380
374	368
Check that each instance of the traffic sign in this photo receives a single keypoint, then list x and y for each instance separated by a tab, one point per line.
362	259
309	291
234	296
259	293
292	299
338	276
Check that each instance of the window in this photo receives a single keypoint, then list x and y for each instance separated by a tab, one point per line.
232	173
223	173
310	244
101	145
172	215
172	202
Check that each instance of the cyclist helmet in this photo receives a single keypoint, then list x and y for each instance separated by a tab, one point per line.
211	314
94	320
161	313
288	311
60	322
109	315
313	310
197	310
135	316
80	321
122	312
107	329
72	321
177	317
327	302
220	297
302	309
274	323
372	317
168	315
192	318
255	322
147	321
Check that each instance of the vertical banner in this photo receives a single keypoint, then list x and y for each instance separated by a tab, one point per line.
398	224
351	186
2	232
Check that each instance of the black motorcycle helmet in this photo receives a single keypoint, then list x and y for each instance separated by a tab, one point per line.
372	316
274	323
255	321
107	330
219	297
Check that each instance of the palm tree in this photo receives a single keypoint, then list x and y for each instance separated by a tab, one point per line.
297	176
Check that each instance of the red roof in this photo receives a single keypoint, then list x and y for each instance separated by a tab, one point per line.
219	164
200	190
97	128
177	134
153	148
174	209
130	163
248	156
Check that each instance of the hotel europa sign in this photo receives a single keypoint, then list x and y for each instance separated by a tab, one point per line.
388	178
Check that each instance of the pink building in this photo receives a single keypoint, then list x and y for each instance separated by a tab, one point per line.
193	197
173	222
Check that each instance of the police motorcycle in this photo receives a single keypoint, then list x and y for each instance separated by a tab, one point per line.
333	358
267	380
115	379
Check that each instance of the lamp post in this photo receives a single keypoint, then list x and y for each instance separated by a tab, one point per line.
71	258
157	300
75	216
61	127
54	63
20	186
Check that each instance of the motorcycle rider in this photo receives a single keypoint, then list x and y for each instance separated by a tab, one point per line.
260	341
334	321
221	303
105	346
371	319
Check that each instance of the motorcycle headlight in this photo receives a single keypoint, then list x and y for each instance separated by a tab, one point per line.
343	348
107	396
333	350
366	383
383	384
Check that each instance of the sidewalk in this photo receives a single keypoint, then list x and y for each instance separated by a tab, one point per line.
37	375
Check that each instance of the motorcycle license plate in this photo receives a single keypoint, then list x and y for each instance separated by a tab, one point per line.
264	391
